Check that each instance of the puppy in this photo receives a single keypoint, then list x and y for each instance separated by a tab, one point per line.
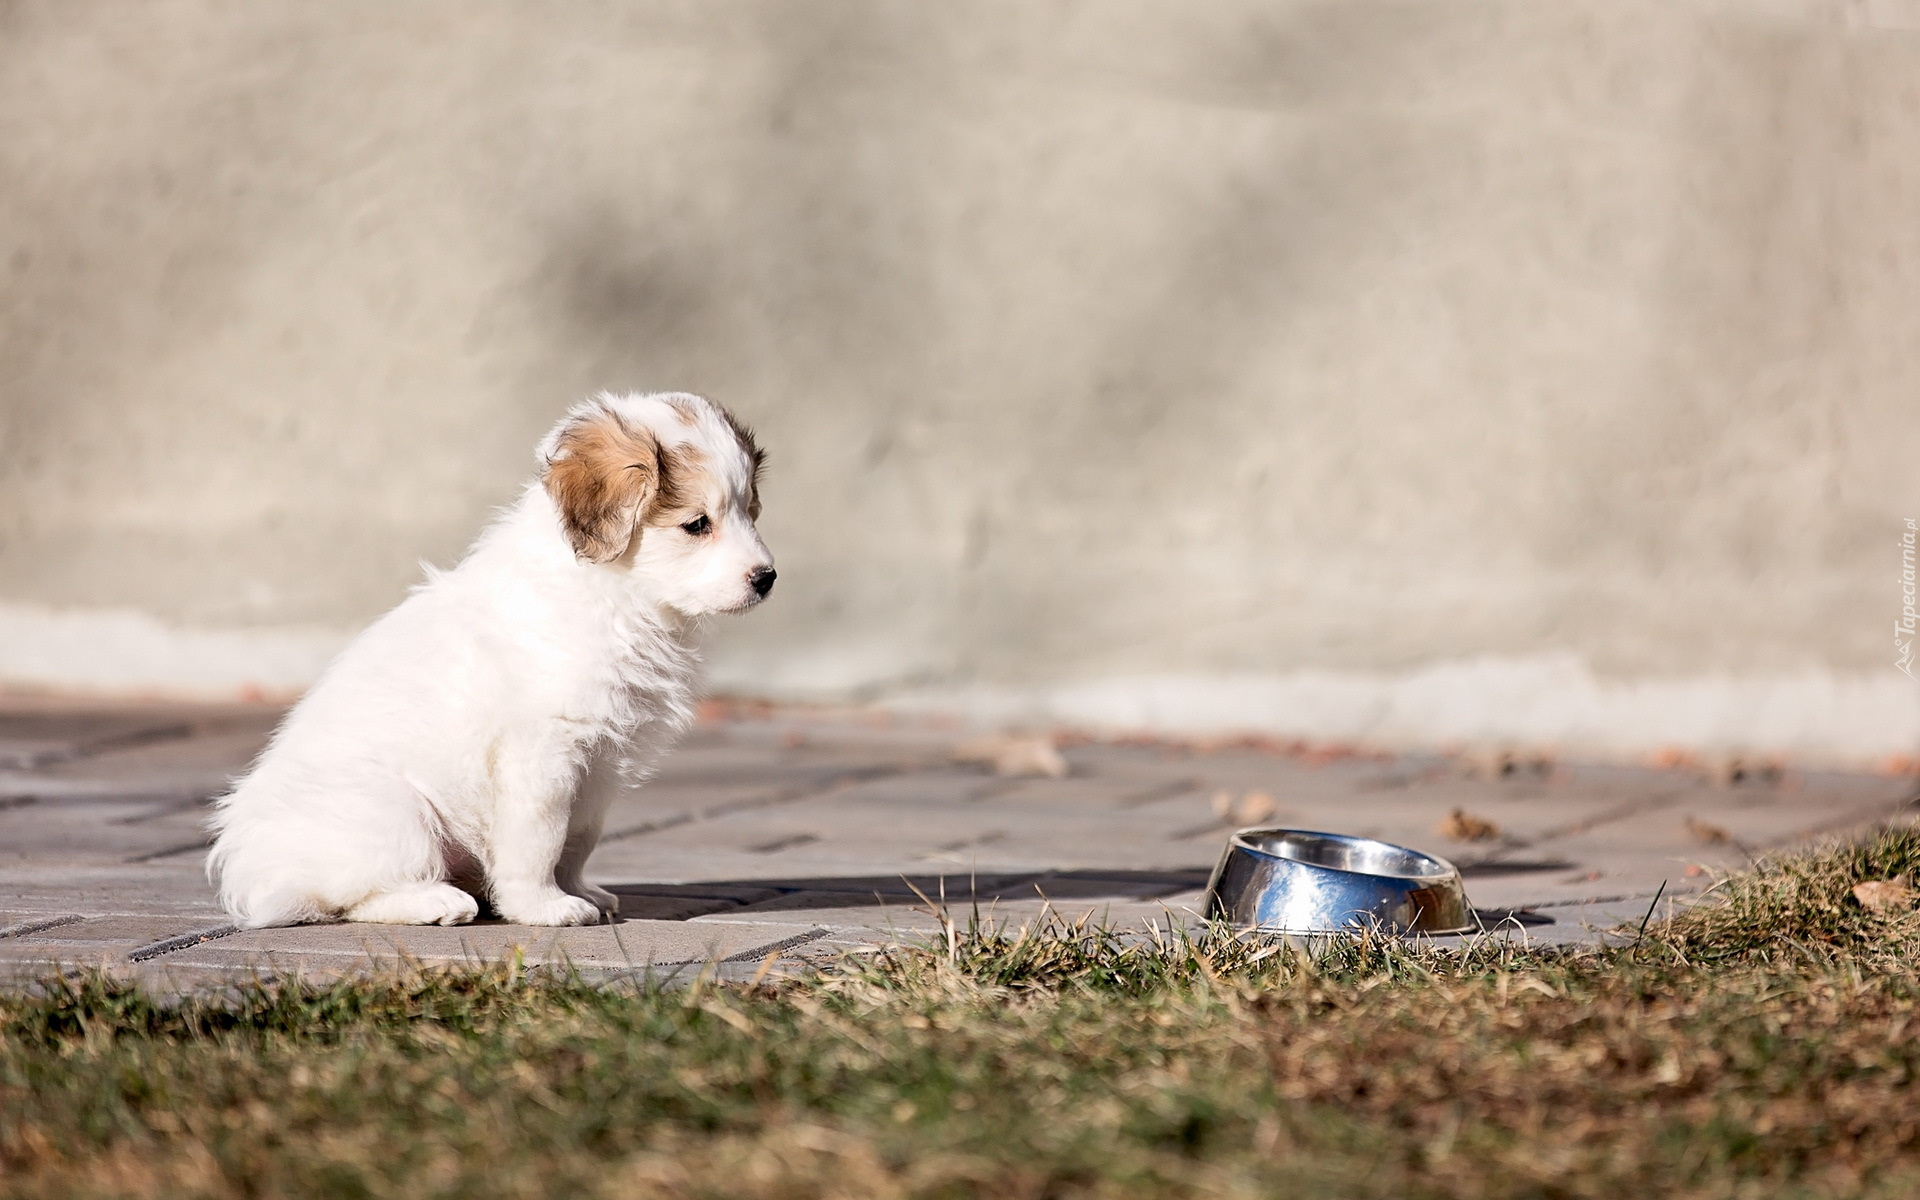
469	742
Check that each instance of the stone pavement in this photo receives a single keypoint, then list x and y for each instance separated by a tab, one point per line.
772	838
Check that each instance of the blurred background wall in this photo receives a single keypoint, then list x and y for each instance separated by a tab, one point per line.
1408	373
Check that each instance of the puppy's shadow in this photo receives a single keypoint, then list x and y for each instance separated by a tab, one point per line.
957	893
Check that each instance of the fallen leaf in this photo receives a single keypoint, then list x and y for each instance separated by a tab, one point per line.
1250	809
1490	762
1504	762
1731	770
1888	897
1727	770
1462	826
1255	807
1712	835
1014	756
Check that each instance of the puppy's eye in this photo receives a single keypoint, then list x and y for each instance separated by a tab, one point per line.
697	526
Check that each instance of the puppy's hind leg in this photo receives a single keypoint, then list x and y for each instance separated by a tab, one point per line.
416	904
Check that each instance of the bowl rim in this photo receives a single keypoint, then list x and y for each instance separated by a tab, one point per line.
1446	870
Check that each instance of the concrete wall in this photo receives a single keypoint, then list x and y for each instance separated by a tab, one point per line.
1408	372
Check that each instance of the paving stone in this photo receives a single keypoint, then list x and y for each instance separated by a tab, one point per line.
131	773
102	833
20	955
1573	924
1630	880
631	863
885	922
628	944
1096	790
22	788
95	939
127	931
162	888
742	763
842	830
33	739
1122	915
164	978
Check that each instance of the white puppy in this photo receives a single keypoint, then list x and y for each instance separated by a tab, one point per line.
469	742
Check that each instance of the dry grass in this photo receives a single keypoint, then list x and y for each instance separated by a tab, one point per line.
1758	1048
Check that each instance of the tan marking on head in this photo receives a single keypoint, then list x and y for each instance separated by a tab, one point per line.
603	476
754	454
682	472
684	409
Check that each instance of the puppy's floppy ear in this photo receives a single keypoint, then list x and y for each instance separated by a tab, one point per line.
603	474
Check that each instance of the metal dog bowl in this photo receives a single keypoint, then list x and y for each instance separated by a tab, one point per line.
1297	881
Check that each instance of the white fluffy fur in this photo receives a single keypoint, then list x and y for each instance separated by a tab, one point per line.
469	742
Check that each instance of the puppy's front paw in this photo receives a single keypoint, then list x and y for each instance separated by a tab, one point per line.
554	908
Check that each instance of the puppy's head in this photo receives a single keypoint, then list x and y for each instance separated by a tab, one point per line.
667	487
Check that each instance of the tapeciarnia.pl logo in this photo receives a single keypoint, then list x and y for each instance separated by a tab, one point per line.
1903	628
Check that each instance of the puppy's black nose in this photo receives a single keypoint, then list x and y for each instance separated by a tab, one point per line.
762	579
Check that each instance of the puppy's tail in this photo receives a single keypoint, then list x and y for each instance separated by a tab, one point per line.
255	903
261	910
251	897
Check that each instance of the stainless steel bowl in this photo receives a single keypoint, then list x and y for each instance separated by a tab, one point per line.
1298	881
